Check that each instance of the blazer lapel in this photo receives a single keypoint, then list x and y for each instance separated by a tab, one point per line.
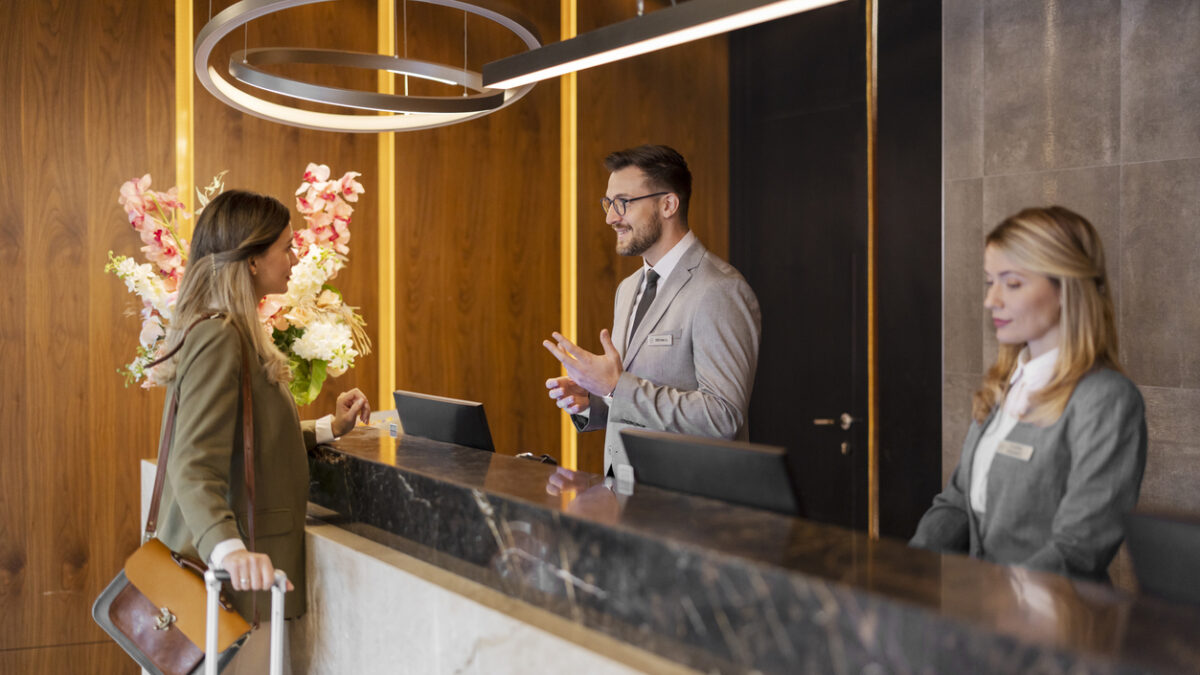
968	460
678	279
624	308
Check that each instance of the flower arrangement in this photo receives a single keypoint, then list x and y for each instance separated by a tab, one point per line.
311	325
319	333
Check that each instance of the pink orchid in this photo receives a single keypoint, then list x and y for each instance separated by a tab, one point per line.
315	173
349	187
133	193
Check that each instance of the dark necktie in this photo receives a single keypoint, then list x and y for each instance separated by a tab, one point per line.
647	298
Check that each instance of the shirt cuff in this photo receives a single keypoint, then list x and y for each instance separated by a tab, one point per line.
324	428
223	549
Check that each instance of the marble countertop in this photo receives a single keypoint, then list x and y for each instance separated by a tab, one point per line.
723	588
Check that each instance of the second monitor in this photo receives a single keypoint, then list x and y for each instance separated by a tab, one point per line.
449	420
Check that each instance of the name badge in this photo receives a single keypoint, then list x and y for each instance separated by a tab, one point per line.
659	341
1015	450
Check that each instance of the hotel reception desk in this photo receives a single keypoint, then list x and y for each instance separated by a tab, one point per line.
426	557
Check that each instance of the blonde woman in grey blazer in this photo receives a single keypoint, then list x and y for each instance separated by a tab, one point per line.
1057	447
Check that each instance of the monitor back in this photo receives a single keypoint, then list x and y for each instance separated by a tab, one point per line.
1166	554
734	471
449	420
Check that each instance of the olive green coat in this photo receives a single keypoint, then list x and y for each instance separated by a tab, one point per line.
205	484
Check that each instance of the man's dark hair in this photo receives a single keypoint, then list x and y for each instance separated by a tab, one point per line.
664	167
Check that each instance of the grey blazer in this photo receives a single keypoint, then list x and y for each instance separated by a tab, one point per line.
690	366
1060	510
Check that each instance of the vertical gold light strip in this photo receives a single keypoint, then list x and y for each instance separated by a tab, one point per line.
185	159
385	347
569	230
872	276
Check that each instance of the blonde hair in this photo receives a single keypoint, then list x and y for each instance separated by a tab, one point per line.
235	227
1063	246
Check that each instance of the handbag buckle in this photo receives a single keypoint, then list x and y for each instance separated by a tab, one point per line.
165	619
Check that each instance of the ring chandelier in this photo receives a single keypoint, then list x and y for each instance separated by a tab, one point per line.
421	112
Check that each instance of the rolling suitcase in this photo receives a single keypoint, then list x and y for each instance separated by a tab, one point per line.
212	581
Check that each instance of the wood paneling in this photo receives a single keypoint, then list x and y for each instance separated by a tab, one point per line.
103	658
15	499
88	108
677	97
268	157
477	242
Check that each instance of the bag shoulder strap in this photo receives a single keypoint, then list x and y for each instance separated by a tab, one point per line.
164	447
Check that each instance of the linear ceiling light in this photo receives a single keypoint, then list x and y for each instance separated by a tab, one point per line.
420	112
668	27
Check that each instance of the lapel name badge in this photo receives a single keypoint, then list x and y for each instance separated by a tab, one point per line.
1015	450
659	341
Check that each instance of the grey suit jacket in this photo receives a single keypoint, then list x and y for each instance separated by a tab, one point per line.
1059	511
690	366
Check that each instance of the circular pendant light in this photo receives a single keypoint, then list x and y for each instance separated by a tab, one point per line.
412	112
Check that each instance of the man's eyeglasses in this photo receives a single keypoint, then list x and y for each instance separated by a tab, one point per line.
621	203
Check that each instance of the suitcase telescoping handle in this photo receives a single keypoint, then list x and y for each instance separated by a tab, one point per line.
213	578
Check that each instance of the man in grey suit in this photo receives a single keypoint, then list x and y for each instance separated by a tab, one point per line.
686	326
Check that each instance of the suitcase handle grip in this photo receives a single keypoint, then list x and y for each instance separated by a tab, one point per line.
213	578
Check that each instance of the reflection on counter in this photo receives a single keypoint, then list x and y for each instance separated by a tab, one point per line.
724	588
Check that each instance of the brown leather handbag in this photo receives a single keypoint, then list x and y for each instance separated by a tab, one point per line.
155	607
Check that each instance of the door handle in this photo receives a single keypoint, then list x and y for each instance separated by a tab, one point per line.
845	421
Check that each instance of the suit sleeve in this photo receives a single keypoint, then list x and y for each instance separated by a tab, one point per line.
205	431
944	527
1108	457
726	331
597	416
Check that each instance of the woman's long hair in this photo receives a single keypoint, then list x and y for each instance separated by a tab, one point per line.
235	227
1062	245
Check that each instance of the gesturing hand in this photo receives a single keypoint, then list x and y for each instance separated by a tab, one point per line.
568	395
597	373
351	405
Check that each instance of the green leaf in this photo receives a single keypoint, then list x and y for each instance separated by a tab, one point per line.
307	379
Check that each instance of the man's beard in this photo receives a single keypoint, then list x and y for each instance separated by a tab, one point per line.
643	240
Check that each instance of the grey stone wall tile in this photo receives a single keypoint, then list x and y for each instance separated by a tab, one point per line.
1160	79
962	89
962	300
1172	415
957	389
1160	273
1172	474
1052	76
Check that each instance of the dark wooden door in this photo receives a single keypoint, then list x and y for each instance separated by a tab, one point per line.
798	233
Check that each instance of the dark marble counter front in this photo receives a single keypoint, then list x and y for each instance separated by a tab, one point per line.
722	588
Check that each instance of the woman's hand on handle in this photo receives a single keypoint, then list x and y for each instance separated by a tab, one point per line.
250	571
351	406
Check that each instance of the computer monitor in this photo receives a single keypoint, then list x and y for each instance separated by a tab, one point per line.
1165	550
449	420
734	471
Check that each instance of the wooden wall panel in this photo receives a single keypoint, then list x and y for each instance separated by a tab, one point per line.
268	157
15	499
123	422
55	214
477	242
677	97
93	108
104	658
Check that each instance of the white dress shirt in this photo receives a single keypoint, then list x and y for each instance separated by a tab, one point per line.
663	269
1029	376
